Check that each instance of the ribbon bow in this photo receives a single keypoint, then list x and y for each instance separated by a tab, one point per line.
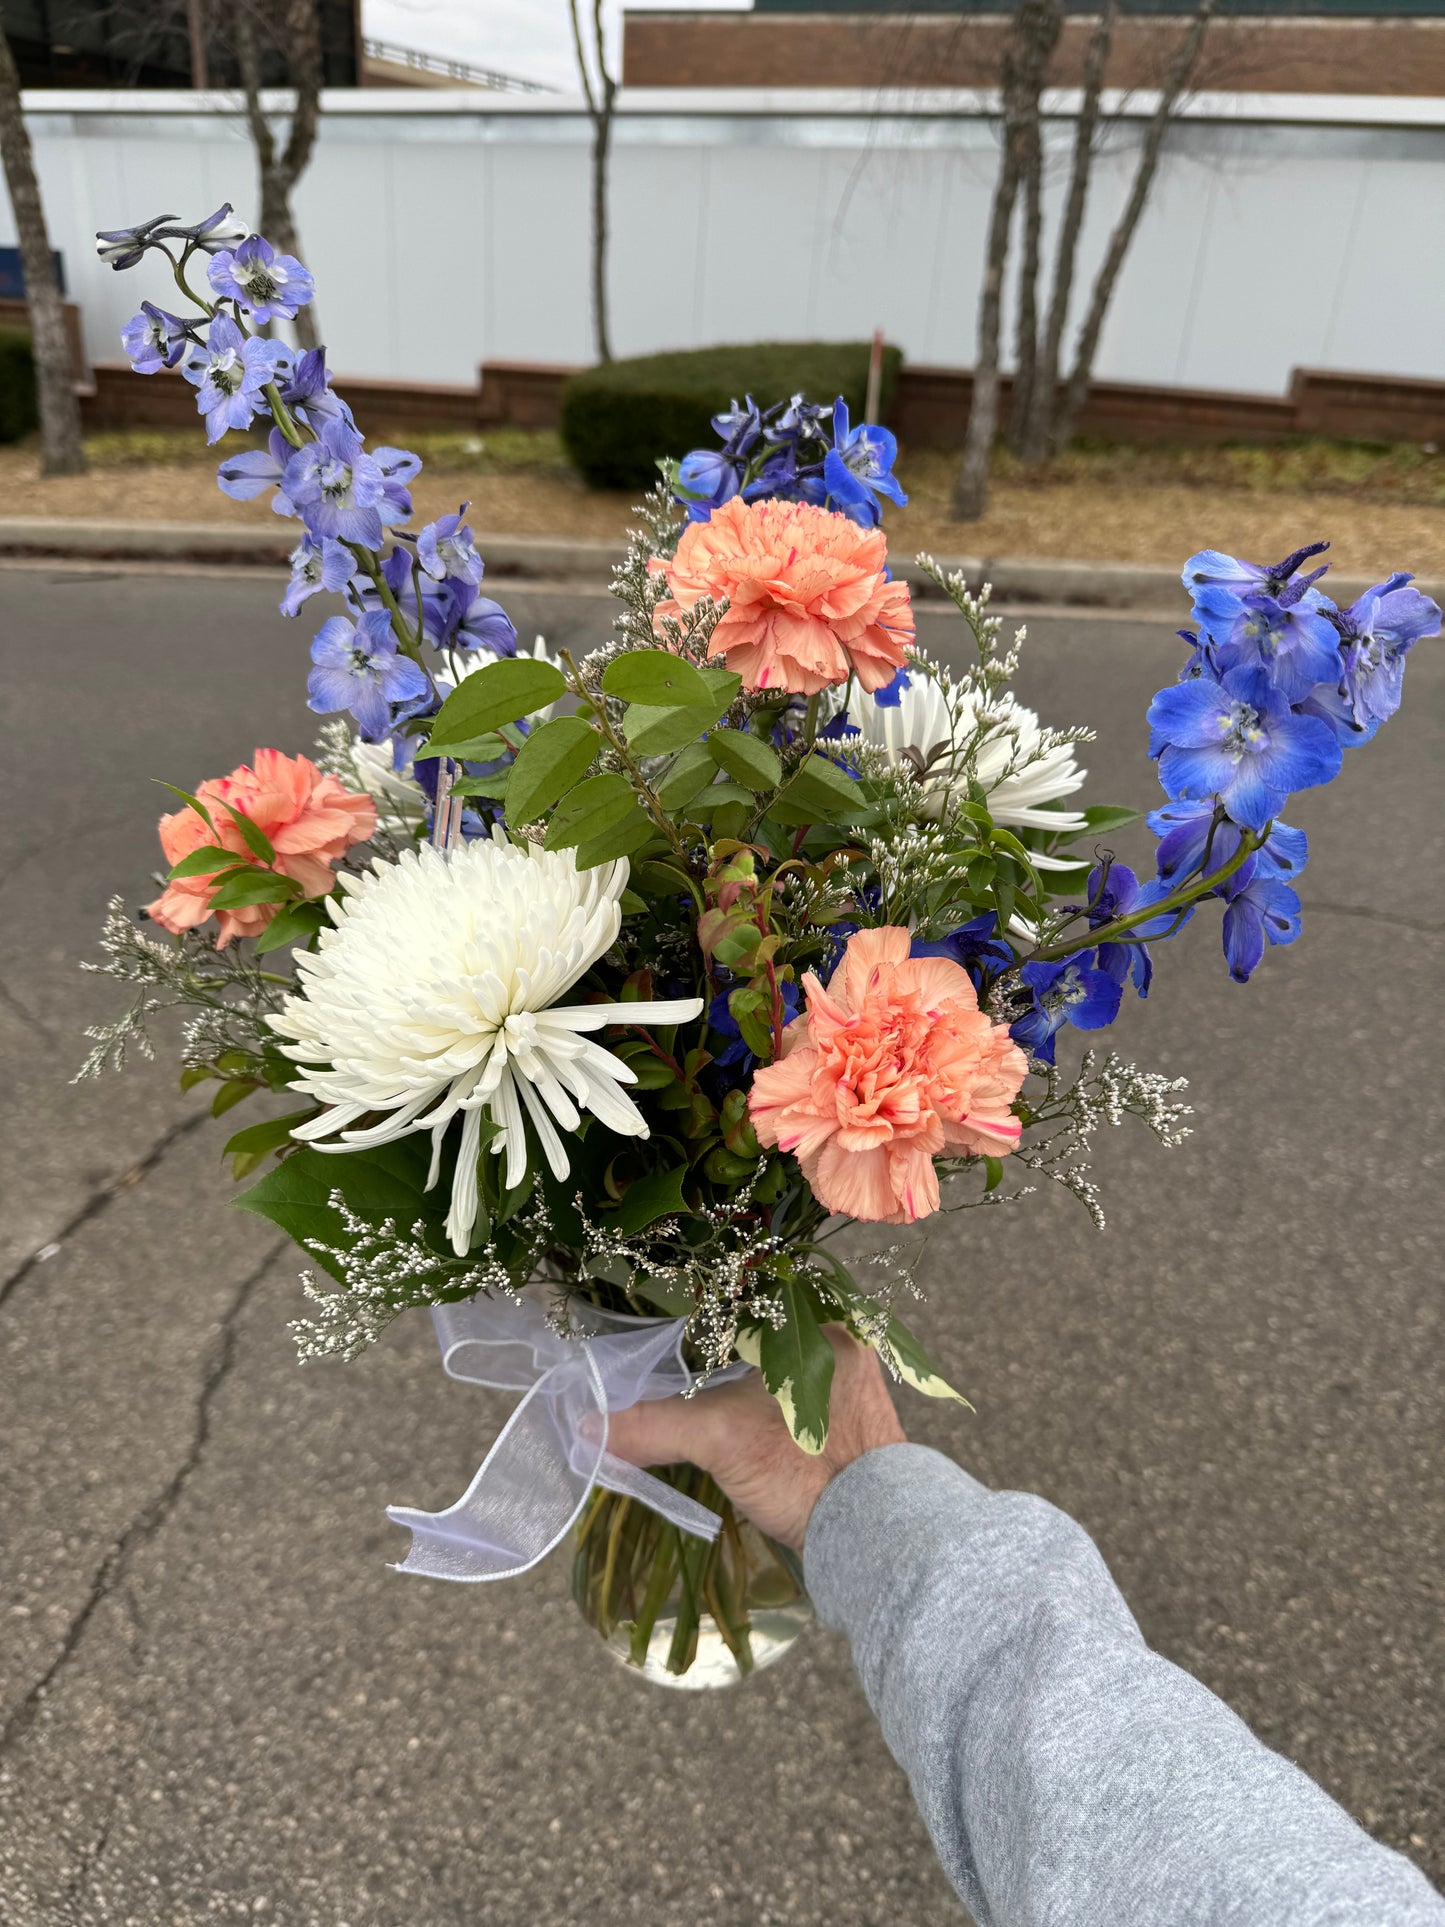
552	1451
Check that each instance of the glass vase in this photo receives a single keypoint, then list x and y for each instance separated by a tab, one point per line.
671	1607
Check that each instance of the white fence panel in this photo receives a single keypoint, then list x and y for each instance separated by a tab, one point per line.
449	228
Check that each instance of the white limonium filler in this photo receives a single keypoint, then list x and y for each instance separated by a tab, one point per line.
436	994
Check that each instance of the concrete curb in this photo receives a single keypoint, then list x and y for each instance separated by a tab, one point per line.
532	558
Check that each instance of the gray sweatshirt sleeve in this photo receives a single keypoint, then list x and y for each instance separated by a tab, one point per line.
1066	1773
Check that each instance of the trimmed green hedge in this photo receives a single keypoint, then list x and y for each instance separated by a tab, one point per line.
18	414
620	416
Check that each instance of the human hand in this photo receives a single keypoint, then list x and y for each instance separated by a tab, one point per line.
739	1435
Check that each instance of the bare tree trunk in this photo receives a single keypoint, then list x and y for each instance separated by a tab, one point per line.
62	448
601	96
1036	31
1175	81
280	171
1038	440
601	148
1026	351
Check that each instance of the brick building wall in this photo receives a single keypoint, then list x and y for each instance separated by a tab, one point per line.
1400	56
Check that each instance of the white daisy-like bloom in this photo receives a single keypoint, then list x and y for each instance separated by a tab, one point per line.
1018	779
400	800
437	994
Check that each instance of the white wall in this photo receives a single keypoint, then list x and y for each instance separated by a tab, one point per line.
446	228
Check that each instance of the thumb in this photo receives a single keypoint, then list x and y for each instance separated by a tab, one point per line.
660	1431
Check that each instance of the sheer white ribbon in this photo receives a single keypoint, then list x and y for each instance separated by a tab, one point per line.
552	1451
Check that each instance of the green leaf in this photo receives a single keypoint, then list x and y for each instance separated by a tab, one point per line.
297	923
914	1365
382	1183
480	749
688	777
715	797
662	880
195	1074
650	1198
797	1364
503	692
656	677
821	785
252	835
658	732
993	1168
550	762
747	759
621	840
632	905
230	1095
192	803
253	886
596	805
1102	817
269	1136
493	786
203	862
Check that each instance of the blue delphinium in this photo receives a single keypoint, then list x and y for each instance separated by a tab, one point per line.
479	623
122	247
316	565
250	473
217	231
975	945
268	286
1376	633
858	468
337	487
1195	837
229	373
795	451
1115	891
1239	740
704	480
154	339
1263	909
447	552
356	667
1295	641
1073	991
307	391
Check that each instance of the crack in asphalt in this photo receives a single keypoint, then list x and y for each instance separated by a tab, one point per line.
152	1516
1317	904
98	1200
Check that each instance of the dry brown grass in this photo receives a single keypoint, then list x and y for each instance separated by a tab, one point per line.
1380	507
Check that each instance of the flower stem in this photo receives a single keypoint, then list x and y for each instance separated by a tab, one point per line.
1197	887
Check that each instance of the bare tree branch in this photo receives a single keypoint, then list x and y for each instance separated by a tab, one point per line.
600	99
62	447
1180	69
1036	31
1037	439
296	32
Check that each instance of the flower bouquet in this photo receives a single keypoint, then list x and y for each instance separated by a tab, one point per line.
604	993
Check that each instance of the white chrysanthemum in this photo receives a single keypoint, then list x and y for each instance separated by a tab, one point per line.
1007	762
437	993
400	800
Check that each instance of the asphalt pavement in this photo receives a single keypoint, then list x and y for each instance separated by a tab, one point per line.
217	1703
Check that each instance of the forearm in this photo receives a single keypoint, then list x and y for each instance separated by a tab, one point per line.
1064	1771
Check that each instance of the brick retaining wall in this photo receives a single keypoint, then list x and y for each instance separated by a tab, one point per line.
930	408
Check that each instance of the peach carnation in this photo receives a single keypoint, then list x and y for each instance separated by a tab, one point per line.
311	820
891	1066
807	598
